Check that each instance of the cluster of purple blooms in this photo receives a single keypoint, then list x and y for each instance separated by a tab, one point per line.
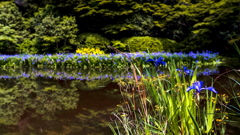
196	85
75	59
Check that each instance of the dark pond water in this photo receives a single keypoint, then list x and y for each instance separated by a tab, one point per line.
69	101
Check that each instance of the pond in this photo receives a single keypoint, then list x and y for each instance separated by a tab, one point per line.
70	101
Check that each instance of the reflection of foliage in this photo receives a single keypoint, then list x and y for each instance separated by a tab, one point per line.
92	85
61	74
43	97
90	117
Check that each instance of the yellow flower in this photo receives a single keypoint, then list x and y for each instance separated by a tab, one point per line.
85	51
123	115
219	120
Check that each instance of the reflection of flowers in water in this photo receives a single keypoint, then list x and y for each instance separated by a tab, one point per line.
42	98
97	76
208	72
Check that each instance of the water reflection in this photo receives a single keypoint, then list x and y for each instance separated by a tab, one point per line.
93	74
42	105
61	101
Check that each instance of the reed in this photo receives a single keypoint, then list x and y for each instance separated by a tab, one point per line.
163	106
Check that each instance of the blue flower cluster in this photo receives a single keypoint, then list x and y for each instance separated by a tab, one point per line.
198	86
79	60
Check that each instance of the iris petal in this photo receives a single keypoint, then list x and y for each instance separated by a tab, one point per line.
212	89
156	62
150	60
201	84
198	86
202	89
184	68
190	88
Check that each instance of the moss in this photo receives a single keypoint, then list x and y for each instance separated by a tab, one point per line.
93	40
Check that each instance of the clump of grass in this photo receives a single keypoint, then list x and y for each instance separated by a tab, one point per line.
163	106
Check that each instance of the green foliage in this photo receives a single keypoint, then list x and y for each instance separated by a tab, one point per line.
116	19
117	28
143	43
162	12
220	12
93	40
67	30
40	14
54	30
168	44
46	32
141	23
8	39
198	41
28	46
119	45
105	8
12	27
9	16
106	15
169	98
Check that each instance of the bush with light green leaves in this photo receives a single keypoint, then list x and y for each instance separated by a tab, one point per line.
93	40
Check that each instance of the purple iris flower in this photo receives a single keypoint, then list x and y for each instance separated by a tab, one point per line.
157	62
198	86
186	71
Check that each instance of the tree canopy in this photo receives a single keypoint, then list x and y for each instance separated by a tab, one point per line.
53	26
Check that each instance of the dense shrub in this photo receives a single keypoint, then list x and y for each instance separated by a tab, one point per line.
199	41
28	46
12	28
152	44
119	45
143	43
93	40
168	44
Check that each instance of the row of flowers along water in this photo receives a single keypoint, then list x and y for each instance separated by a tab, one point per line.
102	60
